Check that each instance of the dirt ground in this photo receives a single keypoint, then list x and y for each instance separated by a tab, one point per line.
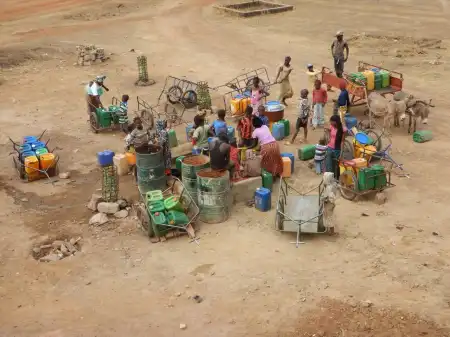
385	274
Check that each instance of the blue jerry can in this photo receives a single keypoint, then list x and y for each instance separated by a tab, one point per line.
263	199
278	131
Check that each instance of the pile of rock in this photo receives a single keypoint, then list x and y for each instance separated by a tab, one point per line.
88	54
118	209
57	250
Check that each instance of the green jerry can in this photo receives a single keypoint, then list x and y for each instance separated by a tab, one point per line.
173	203
156	206
380	176
366	179
378	80
158	218
176	218
267	179
155	195
104	118
306	152
287	127
173	141
386	78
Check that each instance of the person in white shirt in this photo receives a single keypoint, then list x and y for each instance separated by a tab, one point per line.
93	92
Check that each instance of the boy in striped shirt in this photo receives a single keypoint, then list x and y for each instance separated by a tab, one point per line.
319	157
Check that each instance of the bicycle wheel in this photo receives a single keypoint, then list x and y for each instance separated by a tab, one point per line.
189	99
348	185
174	94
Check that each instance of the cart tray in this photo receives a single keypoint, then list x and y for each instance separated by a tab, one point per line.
302	208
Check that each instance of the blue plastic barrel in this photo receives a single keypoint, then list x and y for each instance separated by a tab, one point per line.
362	138
291	157
30	139
105	158
263	199
350	121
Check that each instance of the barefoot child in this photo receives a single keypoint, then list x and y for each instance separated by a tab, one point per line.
319	157
303	116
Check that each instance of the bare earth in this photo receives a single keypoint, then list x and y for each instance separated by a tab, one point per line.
252	280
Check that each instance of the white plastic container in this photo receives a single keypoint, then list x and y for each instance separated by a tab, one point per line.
121	162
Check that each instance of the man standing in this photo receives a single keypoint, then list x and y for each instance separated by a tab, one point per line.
337	50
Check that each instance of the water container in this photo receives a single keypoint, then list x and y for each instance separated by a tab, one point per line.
113	108
156	206
263	199
291	157
380	176
362	138
189	127
152	196
274	111
350	121
27	154
131	158
173	141
158	218
278	131
175	218
41	151
230	132
287	127
267	179
46	161
366	152
25	148
104	117
287	164
386	78
370	78
196	150
178	162
307	152
239	104
378	80
105	158
190	165
37	145
30	139
172	203
366	179
271	126
121	162
31	164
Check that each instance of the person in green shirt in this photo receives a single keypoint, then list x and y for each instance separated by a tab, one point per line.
201	133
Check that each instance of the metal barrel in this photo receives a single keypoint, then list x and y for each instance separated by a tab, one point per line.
214	195
190	165
150	168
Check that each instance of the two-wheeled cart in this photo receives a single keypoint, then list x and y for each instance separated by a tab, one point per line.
148	220
300	212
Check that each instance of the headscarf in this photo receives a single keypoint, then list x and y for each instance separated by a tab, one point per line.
100	78
342	84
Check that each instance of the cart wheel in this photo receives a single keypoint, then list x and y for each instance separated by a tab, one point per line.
93	121
174	94
144	219
348	185
189	99
348	152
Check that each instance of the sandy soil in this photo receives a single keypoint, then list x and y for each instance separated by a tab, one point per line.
384	275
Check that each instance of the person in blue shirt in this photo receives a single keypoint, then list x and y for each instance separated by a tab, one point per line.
343	101
219	125
262	115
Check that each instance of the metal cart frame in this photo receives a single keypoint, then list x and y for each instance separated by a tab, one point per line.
301	210
177	188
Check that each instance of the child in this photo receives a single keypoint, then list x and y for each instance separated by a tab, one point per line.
200	136
319	157
320	98
262	115
245	128
219	125
123	113
312	75
303	116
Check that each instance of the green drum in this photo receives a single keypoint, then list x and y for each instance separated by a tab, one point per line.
190	165
214	195
150	168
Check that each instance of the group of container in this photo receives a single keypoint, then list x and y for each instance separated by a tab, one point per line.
35	158
374	79
165	213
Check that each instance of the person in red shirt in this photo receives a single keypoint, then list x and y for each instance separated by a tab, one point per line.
244	128
320	98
